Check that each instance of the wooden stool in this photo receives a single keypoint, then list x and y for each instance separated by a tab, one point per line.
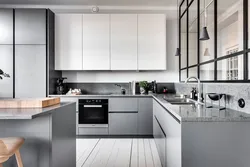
9	147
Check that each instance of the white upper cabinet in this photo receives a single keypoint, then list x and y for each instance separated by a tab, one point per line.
96	42
68	42
152	42
123	42
6	26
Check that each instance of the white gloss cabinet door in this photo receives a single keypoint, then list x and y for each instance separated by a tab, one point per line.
152	42
6	64
123	41
68	42
96	42
30	71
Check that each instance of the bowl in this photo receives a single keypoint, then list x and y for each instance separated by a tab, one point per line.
215	96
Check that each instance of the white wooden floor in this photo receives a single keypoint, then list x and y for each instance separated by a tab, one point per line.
117	153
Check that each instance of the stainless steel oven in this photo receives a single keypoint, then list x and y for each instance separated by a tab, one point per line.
93	113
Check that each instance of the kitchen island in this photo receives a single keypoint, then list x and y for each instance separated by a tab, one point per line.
49	134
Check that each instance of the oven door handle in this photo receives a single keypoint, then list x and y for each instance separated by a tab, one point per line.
92	106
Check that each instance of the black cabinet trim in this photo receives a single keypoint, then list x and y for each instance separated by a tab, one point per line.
160	126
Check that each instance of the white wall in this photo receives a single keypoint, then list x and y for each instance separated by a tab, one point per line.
171	75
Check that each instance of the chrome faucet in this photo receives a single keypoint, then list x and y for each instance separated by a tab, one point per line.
199	88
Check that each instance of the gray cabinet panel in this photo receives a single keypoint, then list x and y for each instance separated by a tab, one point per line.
30	26
30	68
123	123
92	131
6	24
123	104
6	64
160	140
145	115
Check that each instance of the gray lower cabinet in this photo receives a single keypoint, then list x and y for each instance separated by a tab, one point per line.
123	123
30	26
30	69
160	140
6	21
145	114
6	64
93	131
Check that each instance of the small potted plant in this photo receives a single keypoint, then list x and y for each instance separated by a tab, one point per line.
144	86
3	74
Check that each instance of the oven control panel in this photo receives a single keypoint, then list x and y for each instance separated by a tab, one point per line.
93	101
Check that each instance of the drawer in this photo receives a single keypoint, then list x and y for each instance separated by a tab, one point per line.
93	131
68	99
123	123
123	104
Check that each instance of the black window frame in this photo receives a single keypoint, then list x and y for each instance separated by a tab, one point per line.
244	52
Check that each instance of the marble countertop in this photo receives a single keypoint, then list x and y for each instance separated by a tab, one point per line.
186	113
28	113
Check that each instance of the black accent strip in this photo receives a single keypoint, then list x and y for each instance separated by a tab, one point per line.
14	53
123	112
198	37
215	38
245	38
160	126
47	50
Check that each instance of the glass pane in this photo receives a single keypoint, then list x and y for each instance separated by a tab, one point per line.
183	6
230	27
207	72
207	19
193	72
192	34
183	75
230	69
184	41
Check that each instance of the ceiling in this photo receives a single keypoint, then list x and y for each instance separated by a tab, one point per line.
160	3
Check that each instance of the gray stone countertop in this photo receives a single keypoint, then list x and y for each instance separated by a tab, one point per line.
29	113
198	113
186	113
103	95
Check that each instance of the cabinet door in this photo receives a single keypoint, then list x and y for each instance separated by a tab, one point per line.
160	140
152	42
6	64
68	42
6	24
30	26
124	42
30	69
123	123
96	42
145	115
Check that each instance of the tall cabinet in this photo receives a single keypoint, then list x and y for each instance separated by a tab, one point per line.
6	51
30	53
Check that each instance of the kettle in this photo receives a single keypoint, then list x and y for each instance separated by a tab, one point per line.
60	87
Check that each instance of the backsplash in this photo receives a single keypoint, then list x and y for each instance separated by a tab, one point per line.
234	92
107	88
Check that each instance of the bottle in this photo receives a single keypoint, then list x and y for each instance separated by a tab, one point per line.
192	93
195	94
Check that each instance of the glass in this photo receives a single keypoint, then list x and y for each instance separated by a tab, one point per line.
184	41
183	75
193	72
207	72
183	6
230	27
192	34
207	19
230	69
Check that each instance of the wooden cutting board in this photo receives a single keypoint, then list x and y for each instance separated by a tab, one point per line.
29	103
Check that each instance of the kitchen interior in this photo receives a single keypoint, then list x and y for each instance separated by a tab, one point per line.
161	83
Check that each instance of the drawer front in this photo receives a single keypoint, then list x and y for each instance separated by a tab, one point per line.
123	104
93	131
65	99
123	123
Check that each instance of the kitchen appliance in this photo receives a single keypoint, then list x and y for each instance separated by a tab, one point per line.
93	113
61	86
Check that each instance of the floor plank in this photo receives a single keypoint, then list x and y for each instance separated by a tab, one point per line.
117	153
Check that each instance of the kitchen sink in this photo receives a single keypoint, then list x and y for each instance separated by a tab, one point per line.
180	101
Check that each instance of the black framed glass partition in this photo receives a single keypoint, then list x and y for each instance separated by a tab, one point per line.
224	57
